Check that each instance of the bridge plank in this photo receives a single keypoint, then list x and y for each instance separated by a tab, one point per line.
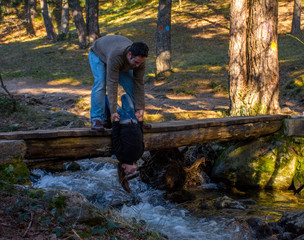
49	146
156	127
86	147
210	134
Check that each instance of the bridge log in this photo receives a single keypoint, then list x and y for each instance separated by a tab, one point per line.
73	144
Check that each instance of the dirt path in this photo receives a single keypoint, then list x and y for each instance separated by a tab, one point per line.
160	103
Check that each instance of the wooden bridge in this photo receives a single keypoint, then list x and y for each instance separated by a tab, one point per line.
73	144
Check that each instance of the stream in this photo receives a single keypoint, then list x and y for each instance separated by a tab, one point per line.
196	219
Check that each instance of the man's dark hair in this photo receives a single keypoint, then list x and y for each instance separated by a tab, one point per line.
139	49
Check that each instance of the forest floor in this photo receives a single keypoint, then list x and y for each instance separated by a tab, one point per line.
52	81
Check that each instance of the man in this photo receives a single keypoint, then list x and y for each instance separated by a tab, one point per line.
115	59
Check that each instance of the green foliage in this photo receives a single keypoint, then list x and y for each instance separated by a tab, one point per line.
59	203
112	225
36	194
15	173
6	106
58	231
99	230
23	217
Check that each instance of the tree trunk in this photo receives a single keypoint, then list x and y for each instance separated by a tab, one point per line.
79	22
31	11
296	21
92	20
65	16
262	94
57	8
163	38
50	30
237	54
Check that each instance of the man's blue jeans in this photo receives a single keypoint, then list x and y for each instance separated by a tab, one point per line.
98	96
127	110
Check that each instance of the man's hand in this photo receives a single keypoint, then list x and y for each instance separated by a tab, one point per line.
139	115
115	117
129	169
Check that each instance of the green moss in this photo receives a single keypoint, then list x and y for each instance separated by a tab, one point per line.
298	146
265	163
15	173
36	194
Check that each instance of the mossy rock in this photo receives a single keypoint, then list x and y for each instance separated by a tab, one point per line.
15	173
298	179
267	162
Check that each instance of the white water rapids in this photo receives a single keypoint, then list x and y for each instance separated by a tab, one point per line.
97	180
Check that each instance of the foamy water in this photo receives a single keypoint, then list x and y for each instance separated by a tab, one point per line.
97	180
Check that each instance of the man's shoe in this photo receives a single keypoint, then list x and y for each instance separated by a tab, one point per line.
97	125
122	178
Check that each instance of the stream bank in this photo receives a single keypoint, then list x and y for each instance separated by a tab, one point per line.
213	213
214	202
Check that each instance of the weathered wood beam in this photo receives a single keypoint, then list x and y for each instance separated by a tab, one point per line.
294	127
210	134
82	143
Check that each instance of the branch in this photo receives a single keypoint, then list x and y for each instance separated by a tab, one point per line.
295	38
29	225
9	94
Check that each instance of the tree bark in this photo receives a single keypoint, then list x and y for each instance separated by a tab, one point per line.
79	22
163	38
31	12
237	55
50	30
296	21
57	8
92	20
262	94
65	17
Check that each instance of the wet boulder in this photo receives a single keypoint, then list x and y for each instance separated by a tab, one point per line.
293	222
268	162
227	202
76	207
261	229
298	180
301	237
73	166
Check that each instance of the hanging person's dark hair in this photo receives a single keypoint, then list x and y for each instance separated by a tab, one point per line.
139	49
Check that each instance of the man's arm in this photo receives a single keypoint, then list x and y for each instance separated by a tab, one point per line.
113	66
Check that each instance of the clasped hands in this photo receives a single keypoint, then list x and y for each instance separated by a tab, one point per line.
139	114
